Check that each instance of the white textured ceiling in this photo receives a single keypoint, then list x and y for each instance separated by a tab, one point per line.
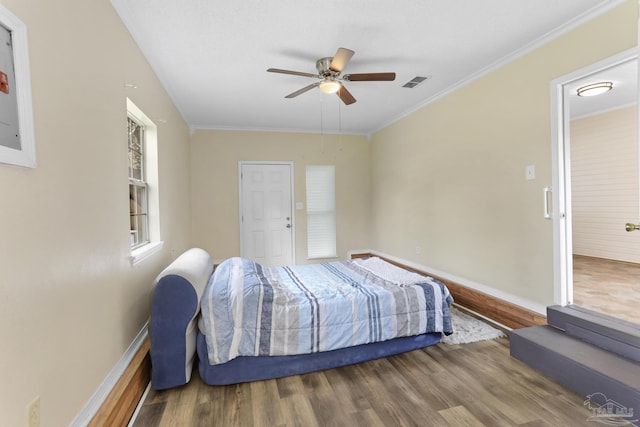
212	55
624	77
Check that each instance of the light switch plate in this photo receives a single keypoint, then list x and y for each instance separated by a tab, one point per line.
299	206
530	172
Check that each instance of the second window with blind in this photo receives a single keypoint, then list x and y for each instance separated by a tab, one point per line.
321	212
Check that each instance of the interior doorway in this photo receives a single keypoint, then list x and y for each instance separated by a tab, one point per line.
596	189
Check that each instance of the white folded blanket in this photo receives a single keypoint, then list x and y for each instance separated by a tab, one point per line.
390	272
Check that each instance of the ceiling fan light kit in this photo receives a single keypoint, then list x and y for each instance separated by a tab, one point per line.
329	70
595	89
329	86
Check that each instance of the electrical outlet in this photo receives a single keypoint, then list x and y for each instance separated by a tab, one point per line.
33	413
418	250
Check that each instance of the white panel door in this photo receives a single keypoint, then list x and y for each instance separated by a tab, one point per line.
266	213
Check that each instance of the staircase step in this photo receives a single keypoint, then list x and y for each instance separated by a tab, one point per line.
580	366
610	333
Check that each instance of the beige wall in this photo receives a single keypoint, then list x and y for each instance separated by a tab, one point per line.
71	301
604	184
215	155
450	178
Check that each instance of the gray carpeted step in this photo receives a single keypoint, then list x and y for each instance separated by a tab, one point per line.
580	366
610	333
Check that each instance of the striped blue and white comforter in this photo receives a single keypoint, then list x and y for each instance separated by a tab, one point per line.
250	310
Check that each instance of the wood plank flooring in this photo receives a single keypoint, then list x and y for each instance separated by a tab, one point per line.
606	286
476	384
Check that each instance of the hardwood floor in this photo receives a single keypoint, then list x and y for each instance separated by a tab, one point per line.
606	286
476	384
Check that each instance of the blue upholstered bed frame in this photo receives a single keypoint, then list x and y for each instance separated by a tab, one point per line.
175	339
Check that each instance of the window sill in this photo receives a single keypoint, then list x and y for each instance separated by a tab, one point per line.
321	257
144	252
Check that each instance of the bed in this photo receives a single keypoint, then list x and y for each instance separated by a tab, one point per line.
246	322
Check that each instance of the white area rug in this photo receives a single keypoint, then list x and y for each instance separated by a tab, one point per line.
467	329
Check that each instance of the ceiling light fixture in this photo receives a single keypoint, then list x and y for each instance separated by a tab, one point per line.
595	89
329	86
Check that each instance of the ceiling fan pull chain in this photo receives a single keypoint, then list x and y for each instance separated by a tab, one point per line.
340	124
321	125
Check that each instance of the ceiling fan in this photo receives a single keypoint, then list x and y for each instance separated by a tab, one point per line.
329	70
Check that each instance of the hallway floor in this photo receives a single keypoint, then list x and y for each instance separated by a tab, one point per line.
606	286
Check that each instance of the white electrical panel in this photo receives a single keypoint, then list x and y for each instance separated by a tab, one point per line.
9	130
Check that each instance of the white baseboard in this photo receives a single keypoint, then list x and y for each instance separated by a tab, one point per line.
496	293
90	409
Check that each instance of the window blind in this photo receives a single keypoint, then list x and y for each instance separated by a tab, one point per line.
321	212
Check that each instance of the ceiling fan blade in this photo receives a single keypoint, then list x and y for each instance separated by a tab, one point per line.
370	77
340	59
345	95
303	90
295	73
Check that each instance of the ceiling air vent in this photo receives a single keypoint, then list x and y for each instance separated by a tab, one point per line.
415	81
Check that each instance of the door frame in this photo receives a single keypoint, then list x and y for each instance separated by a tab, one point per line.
561	167
293	216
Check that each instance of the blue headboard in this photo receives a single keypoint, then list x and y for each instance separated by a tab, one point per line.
174	310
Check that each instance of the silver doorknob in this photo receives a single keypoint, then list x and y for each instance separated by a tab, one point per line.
631	227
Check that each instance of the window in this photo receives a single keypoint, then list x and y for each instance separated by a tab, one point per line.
138	211
321	212
144	224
